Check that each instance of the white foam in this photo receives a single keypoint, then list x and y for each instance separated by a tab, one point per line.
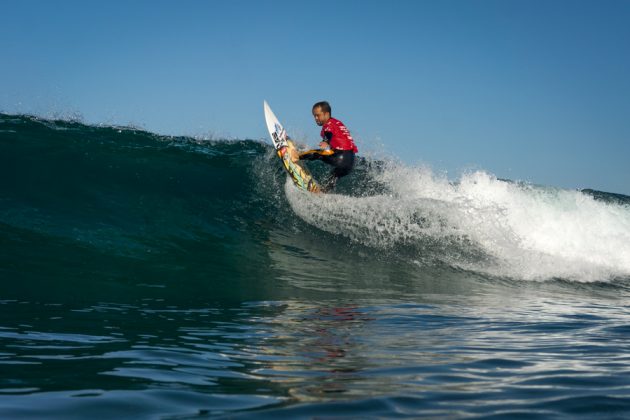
522	231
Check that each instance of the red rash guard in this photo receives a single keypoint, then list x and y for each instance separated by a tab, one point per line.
338	136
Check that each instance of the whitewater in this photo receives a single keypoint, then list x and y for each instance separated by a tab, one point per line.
521	231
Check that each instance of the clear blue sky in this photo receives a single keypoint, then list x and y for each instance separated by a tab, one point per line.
528	90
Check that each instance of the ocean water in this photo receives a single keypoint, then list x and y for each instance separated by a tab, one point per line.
144	276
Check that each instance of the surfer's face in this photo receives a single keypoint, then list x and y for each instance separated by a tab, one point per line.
320	116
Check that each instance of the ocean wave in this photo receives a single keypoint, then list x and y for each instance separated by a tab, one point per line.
123	191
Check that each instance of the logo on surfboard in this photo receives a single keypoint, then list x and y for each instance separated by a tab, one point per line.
279	136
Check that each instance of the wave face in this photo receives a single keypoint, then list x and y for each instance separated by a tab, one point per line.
179	277
129	193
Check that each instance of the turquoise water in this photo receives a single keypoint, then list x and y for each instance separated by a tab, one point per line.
144	276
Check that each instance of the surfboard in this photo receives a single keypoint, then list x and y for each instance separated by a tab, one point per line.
288	153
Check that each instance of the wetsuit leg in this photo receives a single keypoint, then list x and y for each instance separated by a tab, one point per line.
342	163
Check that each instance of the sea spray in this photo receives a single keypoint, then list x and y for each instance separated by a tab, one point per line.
523	231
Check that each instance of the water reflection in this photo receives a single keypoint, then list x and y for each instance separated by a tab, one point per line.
314	350
527	349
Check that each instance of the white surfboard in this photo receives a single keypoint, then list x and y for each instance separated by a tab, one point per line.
288	153
276	131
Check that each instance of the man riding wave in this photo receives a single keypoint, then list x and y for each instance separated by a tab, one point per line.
337	147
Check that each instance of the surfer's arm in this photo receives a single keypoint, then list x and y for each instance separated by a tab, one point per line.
315	154
324	149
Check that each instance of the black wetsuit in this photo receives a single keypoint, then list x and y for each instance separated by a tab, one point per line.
342	159
342	162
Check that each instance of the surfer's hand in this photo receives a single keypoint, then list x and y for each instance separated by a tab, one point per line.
323	145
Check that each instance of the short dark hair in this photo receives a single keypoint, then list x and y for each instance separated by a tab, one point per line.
325	106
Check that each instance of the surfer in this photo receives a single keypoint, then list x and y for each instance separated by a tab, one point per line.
337	147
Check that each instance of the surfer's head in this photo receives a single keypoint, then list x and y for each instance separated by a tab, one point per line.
321	112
